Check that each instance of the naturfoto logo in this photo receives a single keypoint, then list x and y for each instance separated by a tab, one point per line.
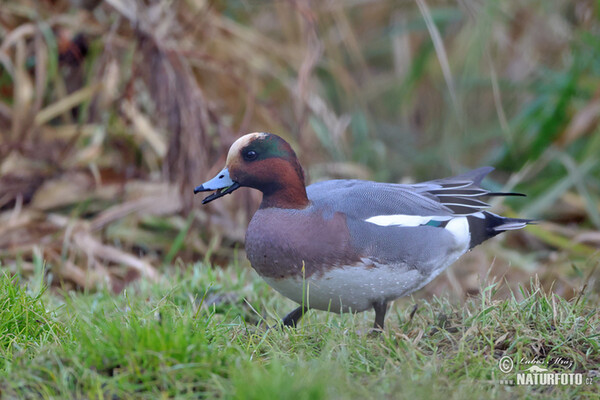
538	373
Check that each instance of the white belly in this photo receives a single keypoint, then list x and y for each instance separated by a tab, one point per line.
353	288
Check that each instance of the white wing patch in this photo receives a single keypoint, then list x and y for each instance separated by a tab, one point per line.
458	226
404	220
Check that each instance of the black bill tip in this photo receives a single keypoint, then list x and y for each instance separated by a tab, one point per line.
199	189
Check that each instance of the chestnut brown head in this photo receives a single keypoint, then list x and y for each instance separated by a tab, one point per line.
265	162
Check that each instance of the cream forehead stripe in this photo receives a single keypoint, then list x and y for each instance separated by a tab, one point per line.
242	142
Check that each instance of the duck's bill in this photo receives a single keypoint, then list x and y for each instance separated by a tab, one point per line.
221	184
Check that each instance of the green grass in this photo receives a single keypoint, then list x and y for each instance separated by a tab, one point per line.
25	324
202	333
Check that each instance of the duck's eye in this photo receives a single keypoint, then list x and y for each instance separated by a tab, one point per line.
250	155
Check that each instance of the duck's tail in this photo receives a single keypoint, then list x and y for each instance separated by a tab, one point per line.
485	225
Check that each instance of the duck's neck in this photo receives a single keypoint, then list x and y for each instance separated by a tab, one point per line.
289	196
287	192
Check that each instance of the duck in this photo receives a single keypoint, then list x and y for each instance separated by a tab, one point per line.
351	245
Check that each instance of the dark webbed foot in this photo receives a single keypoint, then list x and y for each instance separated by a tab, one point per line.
380	308
292	318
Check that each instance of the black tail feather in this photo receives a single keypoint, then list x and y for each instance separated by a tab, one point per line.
505	194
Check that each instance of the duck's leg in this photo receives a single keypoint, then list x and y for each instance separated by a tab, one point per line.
380	308
292	318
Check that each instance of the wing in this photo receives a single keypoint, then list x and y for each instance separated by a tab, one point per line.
447	197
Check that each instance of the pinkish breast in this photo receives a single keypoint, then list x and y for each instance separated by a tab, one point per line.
280	242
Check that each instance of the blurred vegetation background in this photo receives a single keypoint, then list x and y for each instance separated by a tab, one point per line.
111	112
